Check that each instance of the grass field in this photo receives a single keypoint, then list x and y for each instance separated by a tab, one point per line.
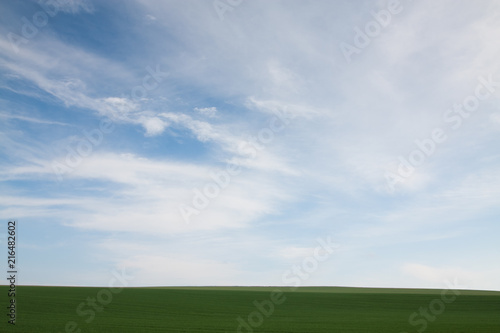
217	309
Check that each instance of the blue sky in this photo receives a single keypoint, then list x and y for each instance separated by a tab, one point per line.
374	123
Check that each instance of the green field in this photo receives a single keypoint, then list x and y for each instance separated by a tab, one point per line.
216	309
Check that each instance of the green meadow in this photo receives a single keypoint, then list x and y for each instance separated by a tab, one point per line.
252	309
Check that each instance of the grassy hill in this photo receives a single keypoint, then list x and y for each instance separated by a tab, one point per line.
252	309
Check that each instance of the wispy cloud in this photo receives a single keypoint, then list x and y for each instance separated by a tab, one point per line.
185	95
32	120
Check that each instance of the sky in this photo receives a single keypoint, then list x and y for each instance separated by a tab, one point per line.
237	142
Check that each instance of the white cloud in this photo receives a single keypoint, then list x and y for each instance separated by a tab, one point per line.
294	253
495	117
154	270
210	112
73	6
152	191
153	126
435	276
